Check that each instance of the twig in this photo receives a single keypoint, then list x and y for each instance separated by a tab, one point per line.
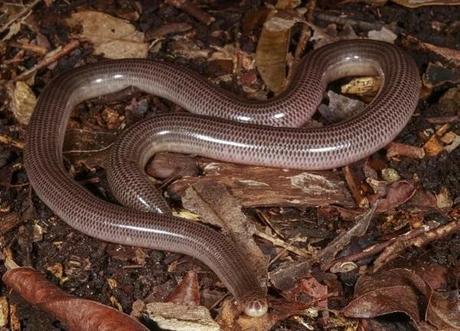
266	220
193	10
19	15
282	243
29	47
376	248
431	232
9	222
51	57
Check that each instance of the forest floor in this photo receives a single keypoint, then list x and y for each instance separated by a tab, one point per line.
341	249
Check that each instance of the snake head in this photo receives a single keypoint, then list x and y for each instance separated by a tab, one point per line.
255	307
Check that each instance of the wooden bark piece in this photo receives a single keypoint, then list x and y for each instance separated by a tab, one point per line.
262	187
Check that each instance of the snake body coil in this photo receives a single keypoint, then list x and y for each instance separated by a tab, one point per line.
262	133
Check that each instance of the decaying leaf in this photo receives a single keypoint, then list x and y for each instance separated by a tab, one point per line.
88	147
340	107
272	50
23	101
384	293
403	291
113	37
433	147
398	193
443	311
76	313
343	239
309	289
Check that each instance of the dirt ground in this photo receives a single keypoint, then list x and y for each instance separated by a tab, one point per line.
417	224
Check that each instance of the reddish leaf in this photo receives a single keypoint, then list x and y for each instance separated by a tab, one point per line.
312	288
187	292
444	311
384	293
76	313
398	193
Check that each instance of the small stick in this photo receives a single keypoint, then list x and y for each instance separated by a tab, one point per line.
50	58
376	248
9	222
18	16
29	47
430	233
193	10
281	243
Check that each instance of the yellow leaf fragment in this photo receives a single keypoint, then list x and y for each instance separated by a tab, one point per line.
24	102
362	86
4	311
443	199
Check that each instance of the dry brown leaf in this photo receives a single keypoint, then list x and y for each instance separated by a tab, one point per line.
87	147
310	290
398	290
398	193
384	293
23	101
76	313
359	229
443	311
443	199
272	50
113	37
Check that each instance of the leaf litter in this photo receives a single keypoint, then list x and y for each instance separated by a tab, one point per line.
412	190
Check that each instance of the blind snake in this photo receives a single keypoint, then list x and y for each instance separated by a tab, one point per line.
224	127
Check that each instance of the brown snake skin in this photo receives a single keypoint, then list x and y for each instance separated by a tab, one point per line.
281	143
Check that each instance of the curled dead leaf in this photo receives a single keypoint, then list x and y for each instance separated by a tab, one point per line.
272	50
76	313
398	193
